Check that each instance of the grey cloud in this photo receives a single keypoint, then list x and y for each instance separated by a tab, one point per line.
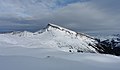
82	16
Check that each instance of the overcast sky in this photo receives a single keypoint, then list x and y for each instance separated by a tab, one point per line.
78	15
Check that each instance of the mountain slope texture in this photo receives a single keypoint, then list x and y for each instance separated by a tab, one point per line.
53	36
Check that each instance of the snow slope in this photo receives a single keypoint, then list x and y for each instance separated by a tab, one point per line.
53	36
43	50
50	59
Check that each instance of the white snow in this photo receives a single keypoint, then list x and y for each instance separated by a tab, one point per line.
51	59
44	50
53	36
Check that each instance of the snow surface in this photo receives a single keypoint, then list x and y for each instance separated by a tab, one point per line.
51	59
53	36
44	50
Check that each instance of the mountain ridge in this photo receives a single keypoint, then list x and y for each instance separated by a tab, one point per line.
54	36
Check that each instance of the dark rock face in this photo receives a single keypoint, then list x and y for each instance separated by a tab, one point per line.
109	46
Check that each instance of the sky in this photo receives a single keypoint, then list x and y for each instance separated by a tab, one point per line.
78	15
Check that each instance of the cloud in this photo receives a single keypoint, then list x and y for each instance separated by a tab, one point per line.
85	16
79	15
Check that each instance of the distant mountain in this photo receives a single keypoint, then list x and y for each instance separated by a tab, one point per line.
19	33
110	44
53	36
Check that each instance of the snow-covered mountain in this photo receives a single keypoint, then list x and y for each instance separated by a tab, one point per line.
43	50
24	33
53	36
110	44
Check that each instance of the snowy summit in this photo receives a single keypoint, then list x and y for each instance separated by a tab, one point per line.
53	36
49	48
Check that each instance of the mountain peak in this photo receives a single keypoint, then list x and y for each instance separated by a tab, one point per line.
54	26
58	37
51	26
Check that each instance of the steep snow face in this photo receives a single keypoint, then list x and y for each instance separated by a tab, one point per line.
54	36
67	39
